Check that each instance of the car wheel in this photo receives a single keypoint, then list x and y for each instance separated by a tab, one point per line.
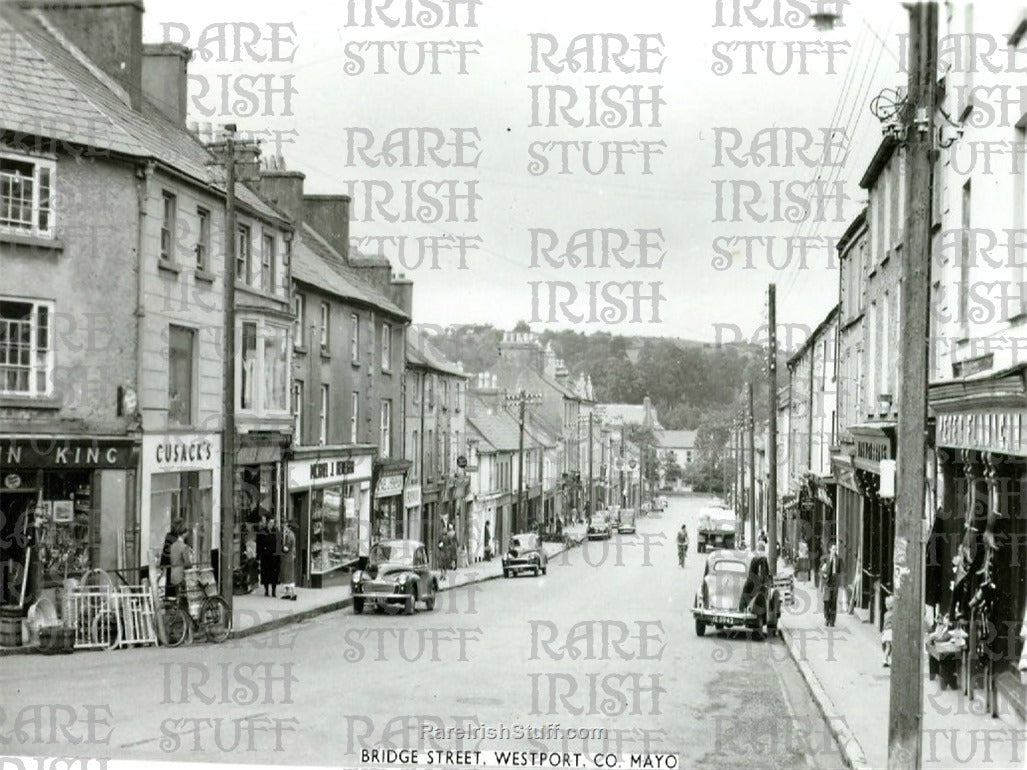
506	572
538	571
760	632
429	603
544	570
358	606
700	628
408	605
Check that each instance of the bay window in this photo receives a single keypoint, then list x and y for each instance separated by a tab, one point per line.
26	195
26	352
181	357
264	364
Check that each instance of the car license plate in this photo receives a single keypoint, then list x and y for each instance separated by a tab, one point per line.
720	620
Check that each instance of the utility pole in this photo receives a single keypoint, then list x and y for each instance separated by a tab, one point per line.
521	399
591	478
906	702
752	470
772	432
742	497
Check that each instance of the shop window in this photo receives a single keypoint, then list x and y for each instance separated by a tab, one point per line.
26	355
187	496
181	353
249	366
26	196
64	521
333	527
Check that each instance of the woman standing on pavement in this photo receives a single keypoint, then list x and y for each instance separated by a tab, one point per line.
288	570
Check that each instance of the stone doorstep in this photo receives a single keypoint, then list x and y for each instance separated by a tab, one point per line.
295	617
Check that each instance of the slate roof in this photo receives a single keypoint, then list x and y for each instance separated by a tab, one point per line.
420	352
50	89
500	429
314	261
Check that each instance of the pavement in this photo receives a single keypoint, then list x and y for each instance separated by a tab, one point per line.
599	657
843	668
255	613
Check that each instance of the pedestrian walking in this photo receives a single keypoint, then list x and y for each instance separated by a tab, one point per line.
829	579
288	563
488	542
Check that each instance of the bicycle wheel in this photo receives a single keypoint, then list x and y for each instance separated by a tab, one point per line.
215	619
176	625
105	630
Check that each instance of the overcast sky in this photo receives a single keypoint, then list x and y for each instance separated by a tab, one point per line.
494	99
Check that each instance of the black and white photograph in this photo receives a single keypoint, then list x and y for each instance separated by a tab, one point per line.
537	384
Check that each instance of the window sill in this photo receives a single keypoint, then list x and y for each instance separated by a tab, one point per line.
168	267
325	355
36	241
354	364
29	402
299	349
204	275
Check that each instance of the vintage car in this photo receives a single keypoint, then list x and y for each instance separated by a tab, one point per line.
737	591
525	553
600	527
627	520
716	529
397	573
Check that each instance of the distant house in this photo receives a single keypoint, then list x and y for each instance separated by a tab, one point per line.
675	446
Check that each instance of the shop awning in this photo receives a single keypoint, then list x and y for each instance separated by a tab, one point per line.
257	455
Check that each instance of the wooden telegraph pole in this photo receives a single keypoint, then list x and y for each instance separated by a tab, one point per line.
772	431
906	703
521	400
751	423
226	153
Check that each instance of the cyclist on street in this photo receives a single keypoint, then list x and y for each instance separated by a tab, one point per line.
682	544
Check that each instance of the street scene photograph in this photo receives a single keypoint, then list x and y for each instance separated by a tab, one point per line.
394	384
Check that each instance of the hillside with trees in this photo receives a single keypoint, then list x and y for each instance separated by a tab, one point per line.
692	384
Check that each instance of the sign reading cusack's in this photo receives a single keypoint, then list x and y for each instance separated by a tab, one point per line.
328	471
168	453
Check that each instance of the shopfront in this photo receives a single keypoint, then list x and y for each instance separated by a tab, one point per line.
390	518
875	442
181	480
848	520
259	487
66	505
412	508
330	502
976	570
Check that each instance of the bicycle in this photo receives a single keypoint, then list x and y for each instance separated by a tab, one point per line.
214	618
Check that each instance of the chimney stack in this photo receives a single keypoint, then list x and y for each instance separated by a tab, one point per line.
109	32
329	215
283	189
401	290
165	79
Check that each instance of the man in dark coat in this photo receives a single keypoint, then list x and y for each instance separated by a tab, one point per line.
269	553
830	578
177	526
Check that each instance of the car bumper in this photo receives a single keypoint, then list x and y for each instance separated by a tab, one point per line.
599	535
726	618
518	564
626	528
380	594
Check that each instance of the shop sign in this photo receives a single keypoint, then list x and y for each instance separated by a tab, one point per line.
389	486
412	497
1000	432
48	452
169	453
325	471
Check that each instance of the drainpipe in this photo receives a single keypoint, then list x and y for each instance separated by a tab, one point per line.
143	175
